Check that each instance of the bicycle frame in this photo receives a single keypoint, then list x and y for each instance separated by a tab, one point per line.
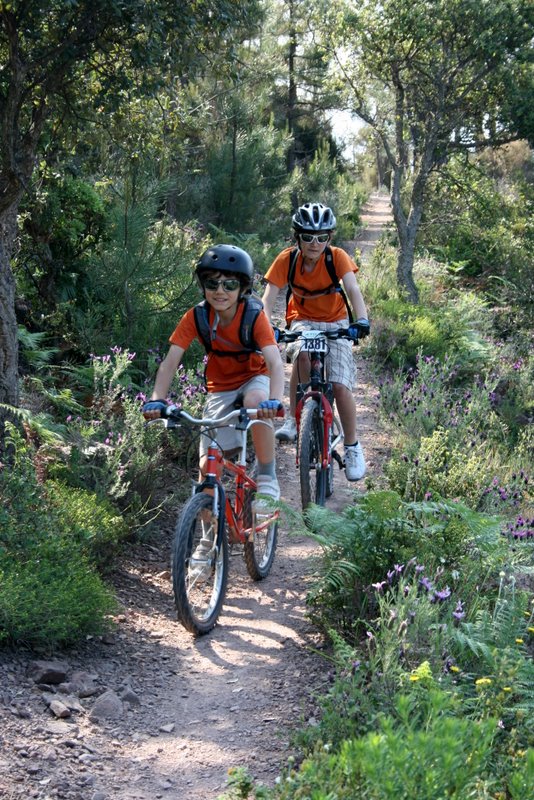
318	389
234	512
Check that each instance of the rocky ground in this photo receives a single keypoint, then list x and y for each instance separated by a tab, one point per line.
151	712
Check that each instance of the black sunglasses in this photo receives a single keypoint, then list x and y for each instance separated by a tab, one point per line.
318	237
228	284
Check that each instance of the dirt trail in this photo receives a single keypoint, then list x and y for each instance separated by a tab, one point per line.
180	711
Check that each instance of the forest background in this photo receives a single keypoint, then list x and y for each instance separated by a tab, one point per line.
136	134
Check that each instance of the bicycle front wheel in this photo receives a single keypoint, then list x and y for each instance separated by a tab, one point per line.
199	566
313	478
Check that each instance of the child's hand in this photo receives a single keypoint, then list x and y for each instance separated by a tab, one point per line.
153	409
268	409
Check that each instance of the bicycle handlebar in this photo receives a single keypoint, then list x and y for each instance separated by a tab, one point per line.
339	333
175	413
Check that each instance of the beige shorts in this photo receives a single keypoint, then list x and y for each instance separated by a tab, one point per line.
340	363
220	403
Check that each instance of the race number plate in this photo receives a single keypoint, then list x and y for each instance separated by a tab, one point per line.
313	341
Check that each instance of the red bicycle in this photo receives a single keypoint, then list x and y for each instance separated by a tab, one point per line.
319	430
215	515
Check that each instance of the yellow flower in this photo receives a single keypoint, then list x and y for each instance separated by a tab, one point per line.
507	688
483	682
414	678
519	641
530	629
454	668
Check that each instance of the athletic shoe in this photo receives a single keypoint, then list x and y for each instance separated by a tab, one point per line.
268	492
355	467
288	431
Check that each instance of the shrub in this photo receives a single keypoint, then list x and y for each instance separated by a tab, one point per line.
423	750
92	523
441	468
51	596
362	545
50	591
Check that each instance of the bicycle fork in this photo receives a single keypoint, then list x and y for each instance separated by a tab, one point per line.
213	486
327	419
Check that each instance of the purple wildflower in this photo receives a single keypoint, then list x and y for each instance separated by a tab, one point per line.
459	612
426	583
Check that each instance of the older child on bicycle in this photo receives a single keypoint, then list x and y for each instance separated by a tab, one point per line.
242	369
314	272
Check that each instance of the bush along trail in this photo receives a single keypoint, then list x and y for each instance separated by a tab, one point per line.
388	654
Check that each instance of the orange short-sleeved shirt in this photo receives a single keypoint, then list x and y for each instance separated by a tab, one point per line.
324	308
224	373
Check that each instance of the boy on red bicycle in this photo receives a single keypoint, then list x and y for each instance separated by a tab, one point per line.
239	368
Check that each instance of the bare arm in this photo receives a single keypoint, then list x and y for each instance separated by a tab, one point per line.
354	295
269	298
166	372
274	364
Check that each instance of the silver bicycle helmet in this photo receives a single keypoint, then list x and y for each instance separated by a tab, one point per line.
313	217
227	258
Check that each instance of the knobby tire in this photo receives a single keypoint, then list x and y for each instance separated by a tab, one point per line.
260	549
198	598
313	478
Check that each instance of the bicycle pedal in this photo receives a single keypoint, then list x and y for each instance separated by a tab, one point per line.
337	457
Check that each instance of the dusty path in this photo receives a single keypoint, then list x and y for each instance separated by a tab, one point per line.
180	711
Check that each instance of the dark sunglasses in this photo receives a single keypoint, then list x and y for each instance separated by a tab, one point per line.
319	237
228	284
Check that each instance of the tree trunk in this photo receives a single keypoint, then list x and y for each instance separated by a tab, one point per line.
292	90
9	384
405	261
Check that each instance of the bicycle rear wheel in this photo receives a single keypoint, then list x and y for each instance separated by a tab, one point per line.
313	478
260	548
199	566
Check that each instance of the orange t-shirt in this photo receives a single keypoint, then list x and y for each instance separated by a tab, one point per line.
224	373
322	308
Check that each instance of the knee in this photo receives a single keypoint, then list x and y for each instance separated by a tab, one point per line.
254	398
340	390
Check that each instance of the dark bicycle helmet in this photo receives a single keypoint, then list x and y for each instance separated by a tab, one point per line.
313	217
227	258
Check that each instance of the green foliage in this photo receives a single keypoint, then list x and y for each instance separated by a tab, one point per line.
424	750
433	672
142	280
483	224
241	786
31	350
92	523
362	545
50	592
442	467
51	596
452	327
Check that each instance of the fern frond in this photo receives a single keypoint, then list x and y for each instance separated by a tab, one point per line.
31	345
41	424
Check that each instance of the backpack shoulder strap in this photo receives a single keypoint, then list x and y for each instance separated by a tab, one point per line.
201	315
253	307
329	259
291	267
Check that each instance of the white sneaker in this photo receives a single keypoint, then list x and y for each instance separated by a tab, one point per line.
355	467
268	491
288	431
